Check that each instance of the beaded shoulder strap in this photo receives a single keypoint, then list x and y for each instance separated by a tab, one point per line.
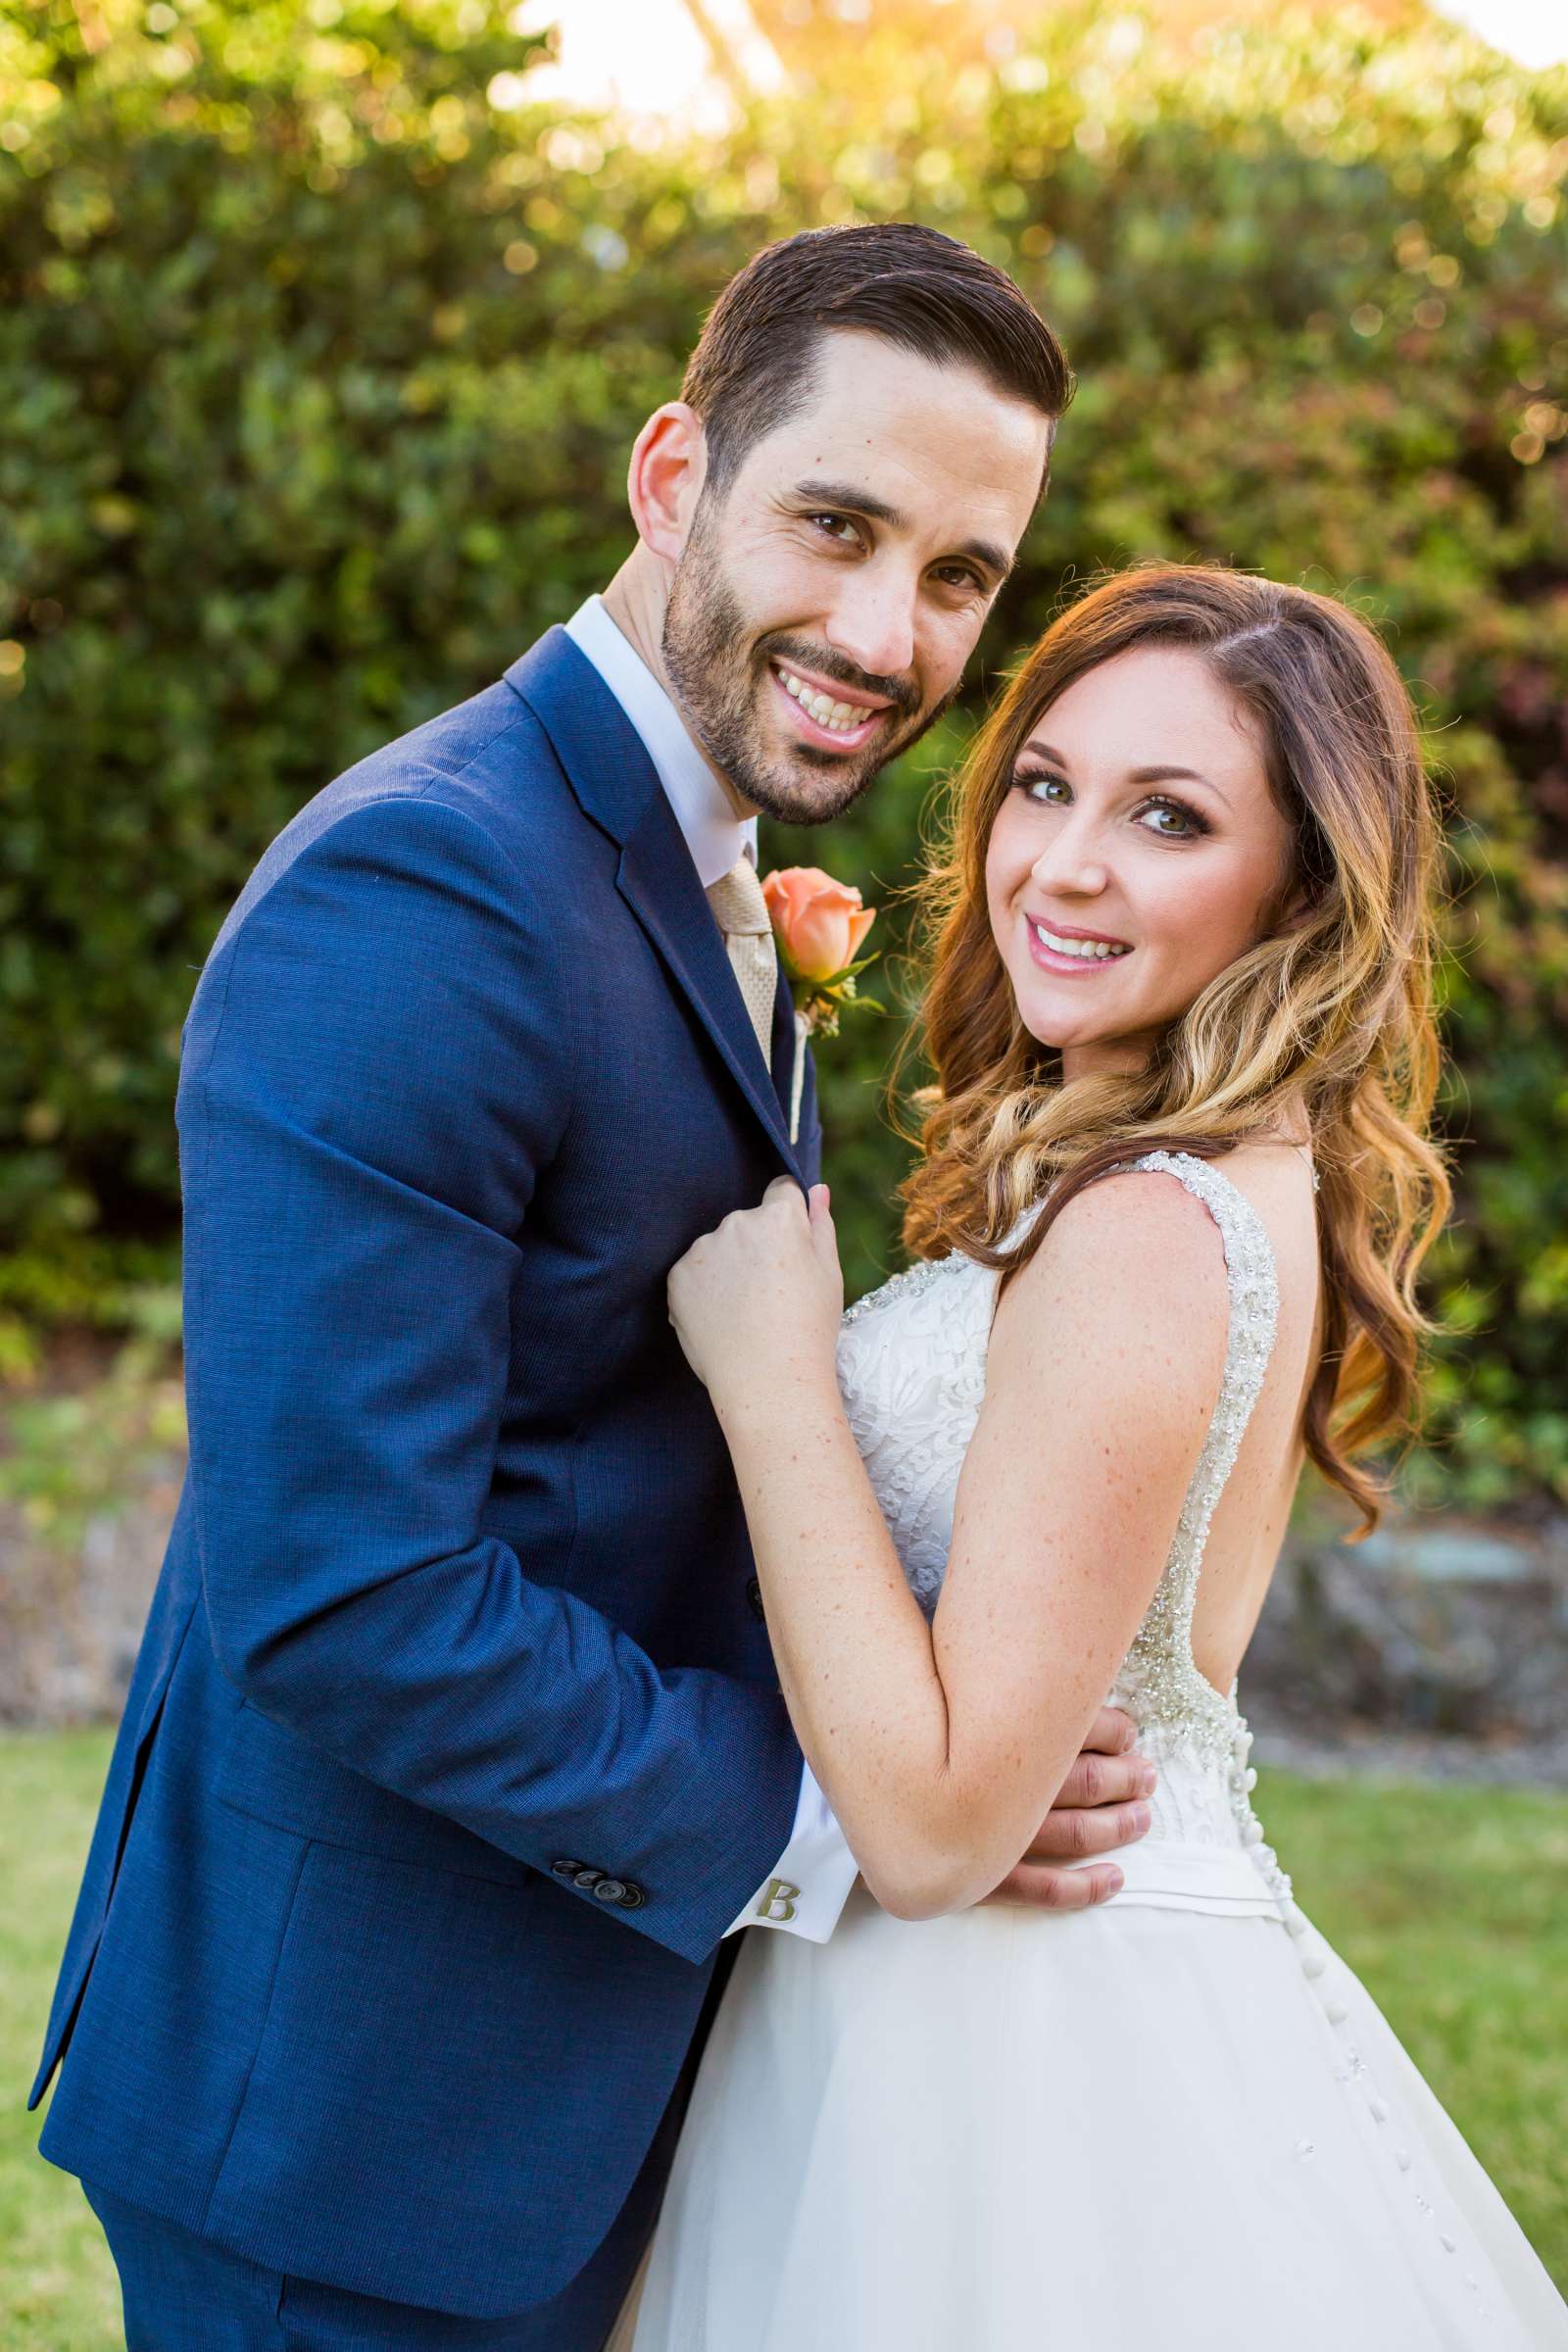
1161	1655
1254	1294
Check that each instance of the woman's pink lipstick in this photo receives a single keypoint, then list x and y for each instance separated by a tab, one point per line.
1072	967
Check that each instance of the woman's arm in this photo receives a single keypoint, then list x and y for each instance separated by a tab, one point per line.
941	1746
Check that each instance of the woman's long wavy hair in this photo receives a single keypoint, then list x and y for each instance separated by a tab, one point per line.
1331	1008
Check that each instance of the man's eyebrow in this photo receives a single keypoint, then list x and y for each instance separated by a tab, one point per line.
1136	775
982	551
841	496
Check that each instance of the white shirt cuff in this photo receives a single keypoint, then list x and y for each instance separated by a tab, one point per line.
812	1877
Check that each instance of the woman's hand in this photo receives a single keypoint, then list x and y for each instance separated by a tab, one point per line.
756	1305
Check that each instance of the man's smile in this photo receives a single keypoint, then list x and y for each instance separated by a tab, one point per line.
834	717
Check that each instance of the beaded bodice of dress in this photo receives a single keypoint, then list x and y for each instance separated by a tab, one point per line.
912	1366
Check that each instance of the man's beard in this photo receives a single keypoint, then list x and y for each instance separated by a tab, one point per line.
718	675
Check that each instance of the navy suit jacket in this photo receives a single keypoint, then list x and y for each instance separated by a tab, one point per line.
457	1592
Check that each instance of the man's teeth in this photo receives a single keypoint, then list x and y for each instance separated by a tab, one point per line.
840	717
1093	948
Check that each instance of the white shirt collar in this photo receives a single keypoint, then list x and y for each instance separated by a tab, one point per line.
715	835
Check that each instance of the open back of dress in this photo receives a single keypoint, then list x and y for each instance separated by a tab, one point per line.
1175	2120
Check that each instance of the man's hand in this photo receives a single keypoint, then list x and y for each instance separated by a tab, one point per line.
1101	1805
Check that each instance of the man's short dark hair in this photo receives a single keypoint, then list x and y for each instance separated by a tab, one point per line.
754	362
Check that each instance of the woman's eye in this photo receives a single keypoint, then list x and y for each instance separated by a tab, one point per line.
1041	788
1184	825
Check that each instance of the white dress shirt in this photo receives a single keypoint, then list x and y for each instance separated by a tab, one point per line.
813	1875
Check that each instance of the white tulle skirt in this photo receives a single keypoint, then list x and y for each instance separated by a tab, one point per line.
1145	2125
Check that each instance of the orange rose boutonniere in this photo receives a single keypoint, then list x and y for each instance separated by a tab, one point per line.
820	925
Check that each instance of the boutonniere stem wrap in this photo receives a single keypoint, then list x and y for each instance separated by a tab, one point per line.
820	925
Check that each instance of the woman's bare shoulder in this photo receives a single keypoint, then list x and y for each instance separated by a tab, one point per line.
1133	1239
1141	1239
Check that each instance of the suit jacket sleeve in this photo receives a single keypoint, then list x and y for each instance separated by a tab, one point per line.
377	1065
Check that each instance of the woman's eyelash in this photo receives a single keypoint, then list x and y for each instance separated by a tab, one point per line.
1197	823
1189	815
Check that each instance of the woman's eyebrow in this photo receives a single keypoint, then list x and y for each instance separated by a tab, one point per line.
1135	775
1173	775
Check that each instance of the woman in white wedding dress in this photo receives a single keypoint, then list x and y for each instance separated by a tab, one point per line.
1175	1187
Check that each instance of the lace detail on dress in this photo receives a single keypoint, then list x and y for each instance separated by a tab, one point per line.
912	1367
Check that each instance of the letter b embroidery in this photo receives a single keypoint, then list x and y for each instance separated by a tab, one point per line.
778	1901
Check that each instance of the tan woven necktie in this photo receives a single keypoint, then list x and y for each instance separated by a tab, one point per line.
741	913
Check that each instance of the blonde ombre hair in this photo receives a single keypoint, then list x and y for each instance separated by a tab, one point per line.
1331	1008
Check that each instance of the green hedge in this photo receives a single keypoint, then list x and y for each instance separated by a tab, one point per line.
320	355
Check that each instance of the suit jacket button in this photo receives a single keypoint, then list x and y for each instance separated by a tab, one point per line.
630	1897
753	1599
587	1876
609	1890
564	1867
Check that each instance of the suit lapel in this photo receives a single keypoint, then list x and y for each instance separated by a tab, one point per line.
659	882
619	787
785	1044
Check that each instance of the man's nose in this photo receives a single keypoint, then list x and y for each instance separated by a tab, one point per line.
873	624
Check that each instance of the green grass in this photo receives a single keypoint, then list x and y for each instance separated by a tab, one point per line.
1451	1904
57	2282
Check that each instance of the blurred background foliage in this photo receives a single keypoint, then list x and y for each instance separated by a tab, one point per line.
322	342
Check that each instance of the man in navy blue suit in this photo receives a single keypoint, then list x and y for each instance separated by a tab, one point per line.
454	1750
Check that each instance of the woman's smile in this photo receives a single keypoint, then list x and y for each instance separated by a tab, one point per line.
1073	952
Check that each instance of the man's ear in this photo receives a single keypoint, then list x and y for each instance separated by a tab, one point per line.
664	479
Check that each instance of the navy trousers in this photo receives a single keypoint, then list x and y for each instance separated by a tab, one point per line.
185	2293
